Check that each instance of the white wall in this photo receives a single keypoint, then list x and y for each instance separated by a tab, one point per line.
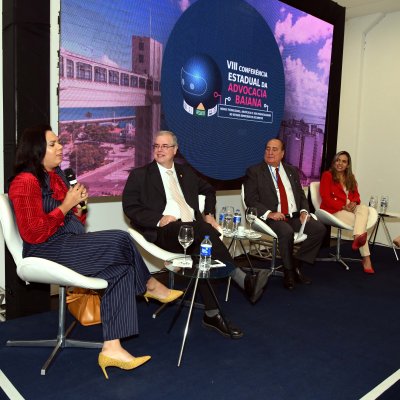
369	107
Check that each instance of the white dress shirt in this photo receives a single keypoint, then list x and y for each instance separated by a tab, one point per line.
288	188
172	207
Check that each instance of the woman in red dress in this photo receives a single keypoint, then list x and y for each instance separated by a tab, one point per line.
340	197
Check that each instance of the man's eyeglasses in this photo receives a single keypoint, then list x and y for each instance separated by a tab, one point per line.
162	146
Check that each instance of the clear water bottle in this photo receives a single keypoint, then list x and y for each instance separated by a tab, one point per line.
237	220
373	201
221	218
384	204
205	254
228	231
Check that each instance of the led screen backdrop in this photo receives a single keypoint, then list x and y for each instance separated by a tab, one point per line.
224	75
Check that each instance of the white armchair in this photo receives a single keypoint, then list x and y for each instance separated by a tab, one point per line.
160	254
40	270
328	219
152	248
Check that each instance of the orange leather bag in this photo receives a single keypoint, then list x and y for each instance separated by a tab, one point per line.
84	305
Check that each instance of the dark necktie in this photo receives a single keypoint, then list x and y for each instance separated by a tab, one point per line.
282	194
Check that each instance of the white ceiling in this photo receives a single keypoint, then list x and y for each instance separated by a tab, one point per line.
358	8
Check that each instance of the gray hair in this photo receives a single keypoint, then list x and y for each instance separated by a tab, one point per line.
164	133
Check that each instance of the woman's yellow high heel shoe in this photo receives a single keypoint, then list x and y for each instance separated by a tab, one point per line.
105	362
173	295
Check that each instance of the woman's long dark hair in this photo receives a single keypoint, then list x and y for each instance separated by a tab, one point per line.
349	178
30	153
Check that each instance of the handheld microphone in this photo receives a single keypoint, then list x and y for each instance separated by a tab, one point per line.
70	175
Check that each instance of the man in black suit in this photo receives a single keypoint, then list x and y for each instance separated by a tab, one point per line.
274	189
150	203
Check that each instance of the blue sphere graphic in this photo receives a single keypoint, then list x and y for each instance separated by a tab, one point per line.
200	79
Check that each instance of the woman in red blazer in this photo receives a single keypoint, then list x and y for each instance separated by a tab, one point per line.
340	197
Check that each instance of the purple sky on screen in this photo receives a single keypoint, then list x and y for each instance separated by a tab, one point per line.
305	43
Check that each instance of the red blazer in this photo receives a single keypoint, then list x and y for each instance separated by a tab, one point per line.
34	225
333	197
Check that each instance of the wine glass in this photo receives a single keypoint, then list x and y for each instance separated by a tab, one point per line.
185	238
251	215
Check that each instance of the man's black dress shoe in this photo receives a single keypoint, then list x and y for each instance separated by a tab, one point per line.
299	277
219	325
254	284
288	279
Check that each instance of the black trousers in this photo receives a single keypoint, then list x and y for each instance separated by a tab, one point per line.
167	238
308	250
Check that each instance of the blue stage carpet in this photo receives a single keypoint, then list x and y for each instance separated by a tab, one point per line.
336	339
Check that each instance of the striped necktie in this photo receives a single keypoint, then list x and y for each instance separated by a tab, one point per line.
186	215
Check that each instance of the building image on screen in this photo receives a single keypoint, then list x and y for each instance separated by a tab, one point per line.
110	89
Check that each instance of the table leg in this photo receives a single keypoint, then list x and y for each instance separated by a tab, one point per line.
228	287
374	232
247	256
171	285
389	238
188	318
181	303
233	242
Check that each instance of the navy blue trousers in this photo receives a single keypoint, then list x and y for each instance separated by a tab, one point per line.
110	255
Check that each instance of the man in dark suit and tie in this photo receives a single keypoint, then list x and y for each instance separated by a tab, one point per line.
274	188
160	197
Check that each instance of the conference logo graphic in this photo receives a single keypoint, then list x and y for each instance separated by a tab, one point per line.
222	85
201	84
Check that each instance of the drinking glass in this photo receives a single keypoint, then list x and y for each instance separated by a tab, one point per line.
373	201
185	237
229	211
251	215
384	204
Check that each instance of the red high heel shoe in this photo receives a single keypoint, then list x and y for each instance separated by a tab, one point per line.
359	241
367	270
